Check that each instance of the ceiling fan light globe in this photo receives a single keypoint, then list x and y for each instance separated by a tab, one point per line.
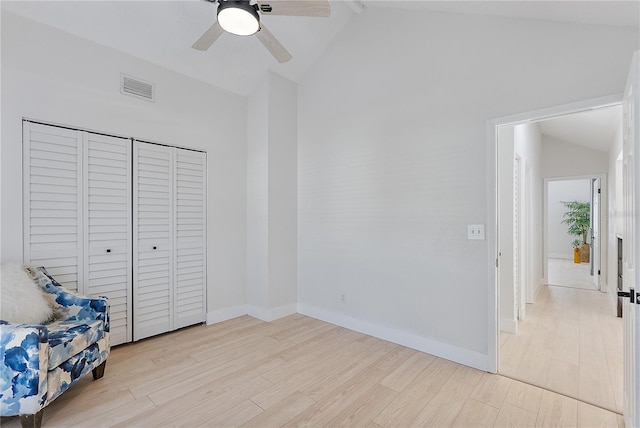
237	19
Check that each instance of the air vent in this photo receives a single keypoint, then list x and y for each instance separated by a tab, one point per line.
136	88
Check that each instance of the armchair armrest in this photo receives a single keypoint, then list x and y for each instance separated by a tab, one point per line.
75	306
23	368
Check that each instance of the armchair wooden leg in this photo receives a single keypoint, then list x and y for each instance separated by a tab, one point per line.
32	421
98	372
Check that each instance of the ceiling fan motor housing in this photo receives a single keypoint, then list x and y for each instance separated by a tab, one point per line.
238	17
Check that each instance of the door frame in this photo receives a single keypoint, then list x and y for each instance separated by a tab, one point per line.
603	211
492	231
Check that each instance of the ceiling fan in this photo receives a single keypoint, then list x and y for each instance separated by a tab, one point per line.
242	17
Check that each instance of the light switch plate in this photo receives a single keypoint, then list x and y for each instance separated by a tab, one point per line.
475	231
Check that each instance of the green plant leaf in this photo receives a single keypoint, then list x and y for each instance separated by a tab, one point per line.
578	218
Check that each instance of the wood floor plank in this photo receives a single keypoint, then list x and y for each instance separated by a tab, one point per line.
362	411
557	411
410	402
594	417
444	408
110	417
570	342
323	411
564	378
492	390
476	414
342	375
406	372
324	376
277	416
513	416
524	396
235	416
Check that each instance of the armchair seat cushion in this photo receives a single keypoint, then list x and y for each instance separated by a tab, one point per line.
69	337
67	373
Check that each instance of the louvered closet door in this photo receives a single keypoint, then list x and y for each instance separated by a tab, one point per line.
52	202
152	237
189	238
108	227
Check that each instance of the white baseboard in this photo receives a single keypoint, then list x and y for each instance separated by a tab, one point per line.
272	314
566	256
510	326
450	352
225	314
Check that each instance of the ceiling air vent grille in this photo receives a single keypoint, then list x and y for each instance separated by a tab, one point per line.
137	88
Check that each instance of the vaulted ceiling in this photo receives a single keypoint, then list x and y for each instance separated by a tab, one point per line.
162	32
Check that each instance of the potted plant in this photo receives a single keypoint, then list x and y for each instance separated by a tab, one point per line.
578	218
576	251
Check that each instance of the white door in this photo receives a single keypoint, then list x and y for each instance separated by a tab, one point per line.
52	201
631	229
517	238
595	231
107	227
189	237
152	239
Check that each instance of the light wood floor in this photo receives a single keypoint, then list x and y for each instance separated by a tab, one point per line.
570	342
566	273
300	371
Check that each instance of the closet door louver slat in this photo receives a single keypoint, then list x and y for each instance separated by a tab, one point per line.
52	203
152	237
190	238
107	255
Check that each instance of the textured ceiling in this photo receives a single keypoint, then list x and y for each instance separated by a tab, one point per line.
594	129
162	32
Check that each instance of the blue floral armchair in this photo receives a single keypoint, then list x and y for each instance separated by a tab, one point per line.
40	362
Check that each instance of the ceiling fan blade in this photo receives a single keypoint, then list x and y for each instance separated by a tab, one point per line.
273	45
211	35
320	8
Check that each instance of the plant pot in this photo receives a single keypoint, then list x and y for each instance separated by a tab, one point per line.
585	253
576	255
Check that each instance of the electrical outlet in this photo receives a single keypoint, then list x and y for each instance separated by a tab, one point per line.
475	231
343	298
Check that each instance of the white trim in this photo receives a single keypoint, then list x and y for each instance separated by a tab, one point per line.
469	358
560	256
272	314
493	353
225	314
510	326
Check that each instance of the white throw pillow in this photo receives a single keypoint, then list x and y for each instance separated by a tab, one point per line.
21	300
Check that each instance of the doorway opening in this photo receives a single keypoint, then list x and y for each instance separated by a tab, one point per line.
574	209
552	335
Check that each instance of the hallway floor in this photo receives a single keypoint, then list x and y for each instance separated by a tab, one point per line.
566	273
570	342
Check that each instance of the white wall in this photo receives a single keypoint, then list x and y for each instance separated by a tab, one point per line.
53	76
528	146
558	240
258	198
524	142
392	152
271	199
283	188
